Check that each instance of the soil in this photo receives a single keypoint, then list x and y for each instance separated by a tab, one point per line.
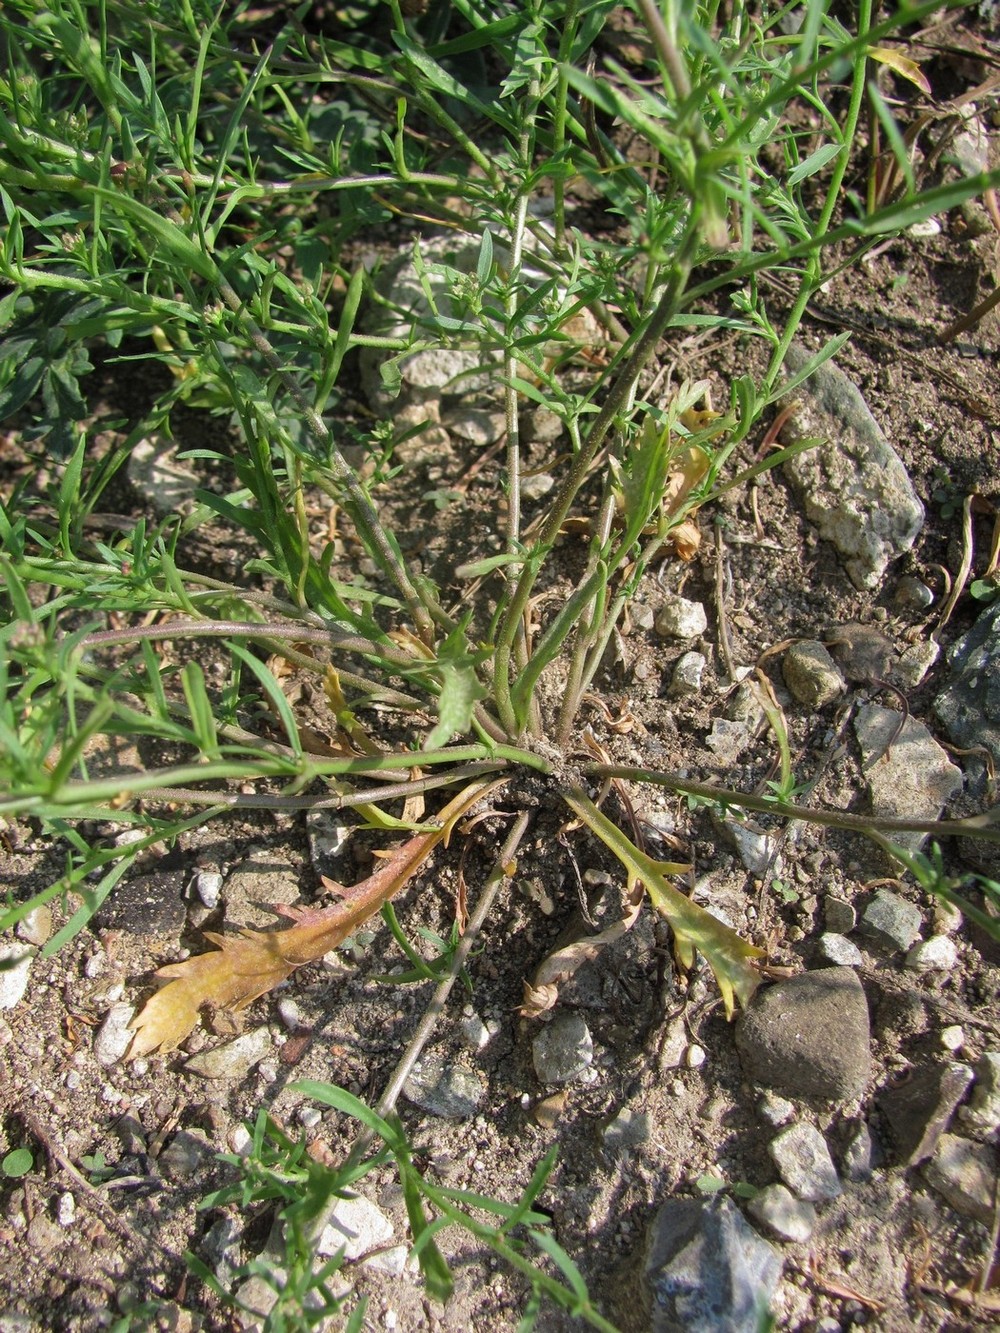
885	1256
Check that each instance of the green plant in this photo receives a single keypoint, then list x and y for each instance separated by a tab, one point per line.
178	192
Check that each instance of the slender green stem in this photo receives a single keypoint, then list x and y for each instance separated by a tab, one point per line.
636	360
812	277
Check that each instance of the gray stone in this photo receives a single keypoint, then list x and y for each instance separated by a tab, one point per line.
965	1172
969	705
729	739
208	887
757	851
708	1270
890	920
328	832
445	1089
839	950
938	954
185	1154
908	777
981	1118
540	425
811	674
563	1050
114	1036
221	1248
233	1059
853	486
785	1216
804	1163
911	667
775	1110
679	618
478	426
628	1131
537	485
917	1111
912	595
839	915
809	1036
688	671
859	1155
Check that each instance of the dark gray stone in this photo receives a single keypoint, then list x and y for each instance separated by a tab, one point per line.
969	705
149	905
809	1036
891	920
917	1111
708	1269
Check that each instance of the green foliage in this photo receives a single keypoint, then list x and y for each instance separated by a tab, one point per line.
187	188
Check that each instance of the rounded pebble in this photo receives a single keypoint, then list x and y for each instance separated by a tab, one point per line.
939	953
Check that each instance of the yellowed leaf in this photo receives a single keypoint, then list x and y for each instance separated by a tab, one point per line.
247	965
902	65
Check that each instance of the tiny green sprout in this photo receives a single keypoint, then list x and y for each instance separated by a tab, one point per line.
17	1163
785	891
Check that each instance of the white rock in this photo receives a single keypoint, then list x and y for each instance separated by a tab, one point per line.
14	977
357	1225
952	1038
208	887
939	953
66	1210
114	1036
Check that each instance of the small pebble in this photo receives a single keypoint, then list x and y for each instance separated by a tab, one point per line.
804	1163
36	926
775	1110
912	594
208	886
952	1038
939	953
114	1036
291	1015
14	977
839	950
679	618
309	1116
66	1210
687	675
839	915
695	1057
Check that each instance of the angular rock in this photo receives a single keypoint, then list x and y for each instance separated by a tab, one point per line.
917	1111
708	1270
445	1089
839	915
785	1216
357	1225
14	974
811	674
688	671
757	851
809	1036
233	1059
909	775
965	1172
114	1036
911	668
804	1163
563	1049
969	705
853	486
186	1152
981	1118
859	1154
728	739
892	921
679	618
839	950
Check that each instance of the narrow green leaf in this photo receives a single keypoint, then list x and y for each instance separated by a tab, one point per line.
814	162
273	691
200	708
